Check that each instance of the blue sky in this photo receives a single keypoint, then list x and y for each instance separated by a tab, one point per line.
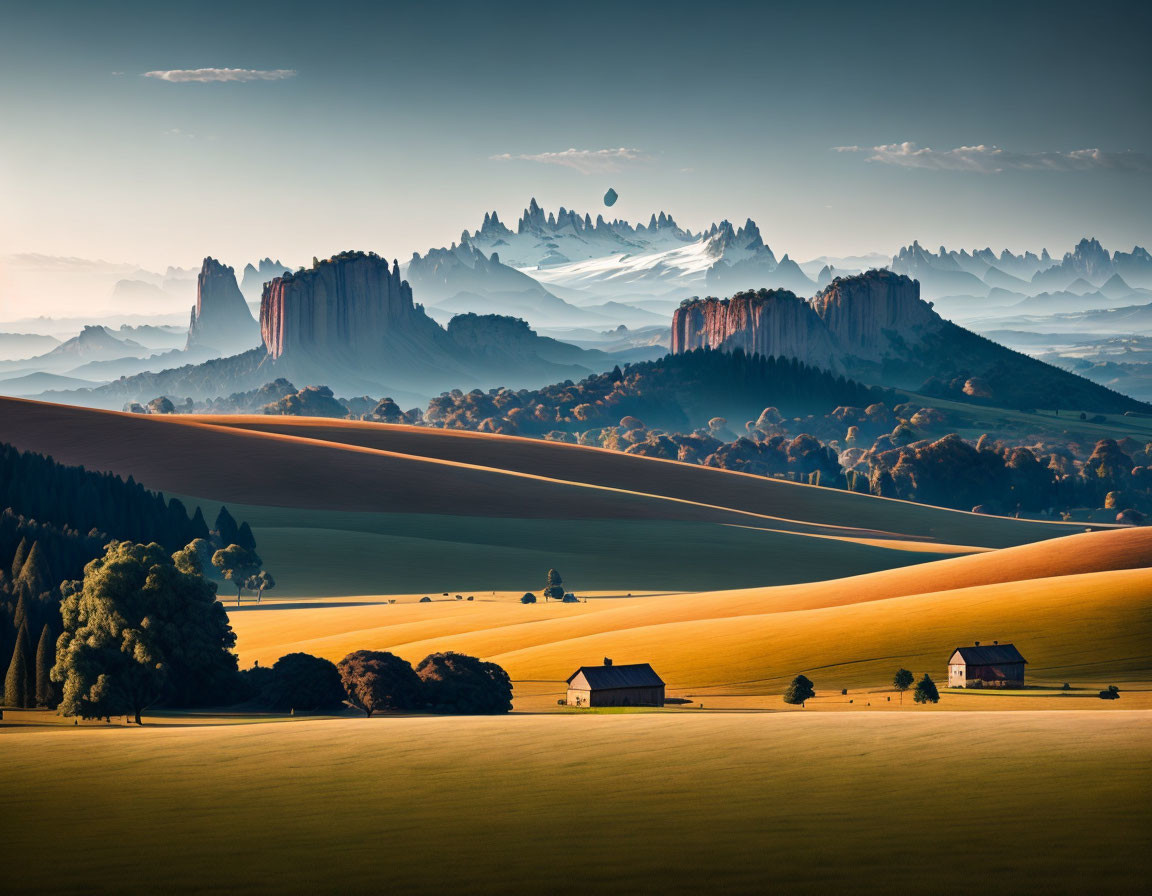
394	127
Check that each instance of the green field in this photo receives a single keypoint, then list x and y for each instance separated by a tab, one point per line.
333	553
663	803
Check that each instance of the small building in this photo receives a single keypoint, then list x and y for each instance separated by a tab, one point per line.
609	685
991	666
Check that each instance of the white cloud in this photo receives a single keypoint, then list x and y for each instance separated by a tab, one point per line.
994	160
207	75
586	161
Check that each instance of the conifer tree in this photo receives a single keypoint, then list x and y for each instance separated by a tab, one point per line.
226	527
19	688
34	574
18	560
45	660
199	528
245	538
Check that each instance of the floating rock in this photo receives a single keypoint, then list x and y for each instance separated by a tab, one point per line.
610	197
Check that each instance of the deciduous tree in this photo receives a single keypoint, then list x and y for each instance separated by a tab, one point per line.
375	680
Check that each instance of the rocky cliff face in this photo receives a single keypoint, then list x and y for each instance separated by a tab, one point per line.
221	319
875	315
353	307
768	322
867	320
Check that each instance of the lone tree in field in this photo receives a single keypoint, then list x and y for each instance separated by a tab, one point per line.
457	683
528	598
926	691
554	590
375	680
142	627
304	682
902	681
237	565
800	691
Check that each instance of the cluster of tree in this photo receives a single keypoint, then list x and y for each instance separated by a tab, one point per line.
61	518
553	590
281	398
801	689
676	392
378	681
40	488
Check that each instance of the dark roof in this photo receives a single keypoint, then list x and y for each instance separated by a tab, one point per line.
602	678
989	654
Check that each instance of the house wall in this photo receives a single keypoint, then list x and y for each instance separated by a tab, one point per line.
653	696
996	675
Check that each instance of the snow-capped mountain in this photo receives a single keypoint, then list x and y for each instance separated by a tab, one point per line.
612	268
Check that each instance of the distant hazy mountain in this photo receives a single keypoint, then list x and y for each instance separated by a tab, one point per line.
220	318
15	346
350	322
256	275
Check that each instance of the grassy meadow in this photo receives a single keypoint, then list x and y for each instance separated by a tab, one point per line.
799	802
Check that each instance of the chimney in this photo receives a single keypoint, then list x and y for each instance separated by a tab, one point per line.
607	661
977	643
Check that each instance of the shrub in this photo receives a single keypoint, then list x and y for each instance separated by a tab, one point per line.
1112	693
926	691
425	599
528	598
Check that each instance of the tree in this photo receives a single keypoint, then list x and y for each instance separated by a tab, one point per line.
1112	693
260	583
800	691
34	572
457	683
902	681
926	691
375	680
528	598
226	527
554	589
45	660
245	538
19	683
143	626
303	682
237	565
19	558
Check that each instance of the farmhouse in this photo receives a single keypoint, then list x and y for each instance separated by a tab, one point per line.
608	685
995	665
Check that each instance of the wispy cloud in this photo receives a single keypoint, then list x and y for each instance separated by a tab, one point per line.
994	160
586	161
208	75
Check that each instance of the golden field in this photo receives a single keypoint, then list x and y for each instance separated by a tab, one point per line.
750	803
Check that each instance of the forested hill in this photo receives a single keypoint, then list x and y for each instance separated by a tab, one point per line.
677	392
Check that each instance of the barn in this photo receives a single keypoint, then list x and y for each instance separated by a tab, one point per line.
996	665
609	685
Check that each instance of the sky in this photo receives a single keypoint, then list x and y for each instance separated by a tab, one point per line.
156	134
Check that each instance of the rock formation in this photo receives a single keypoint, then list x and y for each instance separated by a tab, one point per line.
352	307
770	322
221	319
872	316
